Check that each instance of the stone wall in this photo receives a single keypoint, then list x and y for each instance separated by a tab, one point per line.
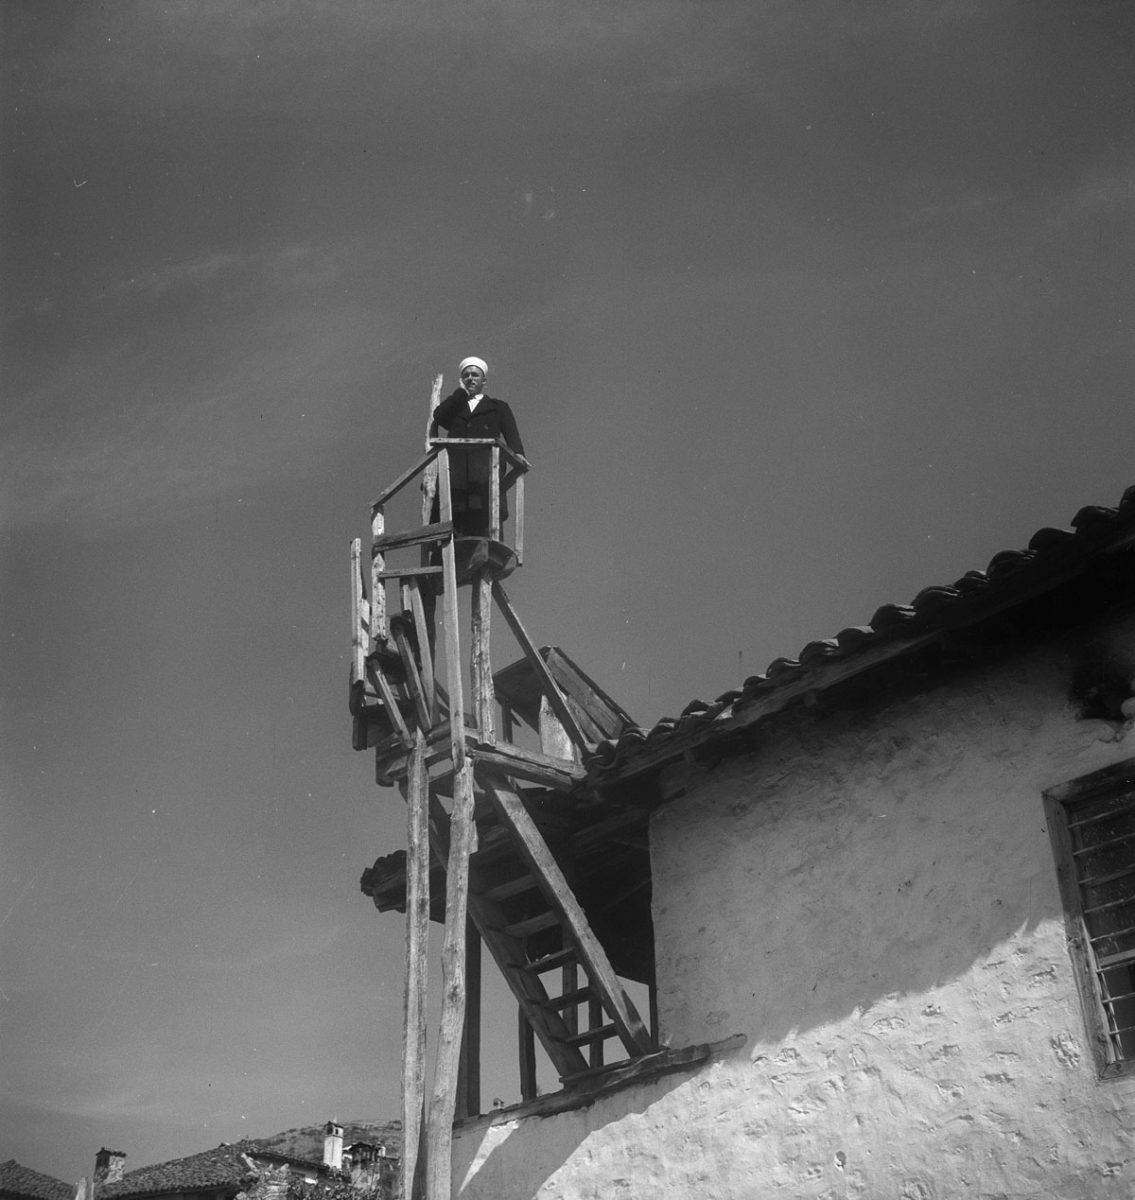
873	902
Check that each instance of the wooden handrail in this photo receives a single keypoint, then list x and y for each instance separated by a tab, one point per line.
521	465
402	480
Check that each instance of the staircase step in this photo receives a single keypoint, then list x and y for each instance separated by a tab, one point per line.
544	920
512	887
570	999
551	961
601	1034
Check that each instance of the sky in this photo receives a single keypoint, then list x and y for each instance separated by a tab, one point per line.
801	305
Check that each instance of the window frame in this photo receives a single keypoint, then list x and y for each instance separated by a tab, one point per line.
1060	802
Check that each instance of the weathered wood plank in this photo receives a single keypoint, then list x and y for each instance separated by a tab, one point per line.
518	539
484	698
495	493
389	700
555	741
469	1074
558	773
526	1045
377	586
413	678
412	537
417	949
444	1102
547	683
411	572
634	1034
461	831
360	633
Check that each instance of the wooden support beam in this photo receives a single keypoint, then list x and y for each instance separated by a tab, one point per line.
410	668
526	1044
558	773
595	1017
634	1034
425	646
416	792
381	684
460	835
443	1105
547	683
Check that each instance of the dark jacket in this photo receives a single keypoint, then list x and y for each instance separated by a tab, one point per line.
469	467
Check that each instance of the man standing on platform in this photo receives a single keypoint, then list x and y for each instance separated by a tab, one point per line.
468	412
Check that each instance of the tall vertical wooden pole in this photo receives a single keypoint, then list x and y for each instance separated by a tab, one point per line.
461	832
414	1143
417	950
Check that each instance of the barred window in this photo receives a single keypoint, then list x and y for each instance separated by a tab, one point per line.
1092	824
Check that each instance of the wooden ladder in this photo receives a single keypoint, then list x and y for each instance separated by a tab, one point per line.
529	918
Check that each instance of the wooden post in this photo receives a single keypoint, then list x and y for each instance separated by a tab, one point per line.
377	583
547	684
482	666
360	614
444	1102
429	476
469	1075
461	831
417	950
494	493
526	1041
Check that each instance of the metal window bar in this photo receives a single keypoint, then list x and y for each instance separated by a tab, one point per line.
1099	908
1104	966
1094	881
1116	933
1096	847
1124	800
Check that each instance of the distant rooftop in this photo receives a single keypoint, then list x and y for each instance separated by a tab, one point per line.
23	1182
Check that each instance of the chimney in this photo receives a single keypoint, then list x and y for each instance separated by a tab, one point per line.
333	1146
108	1167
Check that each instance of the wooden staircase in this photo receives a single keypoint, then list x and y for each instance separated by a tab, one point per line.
476	802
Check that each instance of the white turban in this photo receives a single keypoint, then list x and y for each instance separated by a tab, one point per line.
473	361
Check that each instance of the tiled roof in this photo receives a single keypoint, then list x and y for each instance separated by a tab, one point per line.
1052	557
225	1166
16	1180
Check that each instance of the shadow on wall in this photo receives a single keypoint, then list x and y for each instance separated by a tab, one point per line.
500	1159
849	862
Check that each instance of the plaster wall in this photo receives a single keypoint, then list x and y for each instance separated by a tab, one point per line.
873	903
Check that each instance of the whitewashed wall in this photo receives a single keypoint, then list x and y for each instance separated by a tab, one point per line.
874	905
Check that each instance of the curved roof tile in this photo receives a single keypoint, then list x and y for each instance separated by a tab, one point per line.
1049	551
